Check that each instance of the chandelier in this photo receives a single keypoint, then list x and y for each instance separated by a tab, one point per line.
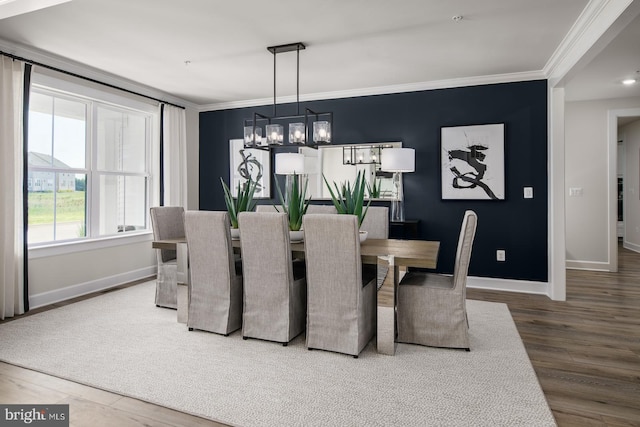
299	125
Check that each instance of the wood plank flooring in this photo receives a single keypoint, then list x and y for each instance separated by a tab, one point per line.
585	351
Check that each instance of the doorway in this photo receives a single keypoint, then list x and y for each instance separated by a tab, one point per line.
620	187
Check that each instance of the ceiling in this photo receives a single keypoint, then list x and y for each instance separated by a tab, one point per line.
213	51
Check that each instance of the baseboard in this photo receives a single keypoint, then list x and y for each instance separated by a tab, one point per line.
509	285
52	297
588	265
631	246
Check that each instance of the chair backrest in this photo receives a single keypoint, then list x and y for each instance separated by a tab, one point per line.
334	267
463	253
321	209
210	250
376	222
267	208
266	256
167	223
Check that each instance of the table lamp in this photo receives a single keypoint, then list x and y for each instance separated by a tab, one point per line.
289	164
398	160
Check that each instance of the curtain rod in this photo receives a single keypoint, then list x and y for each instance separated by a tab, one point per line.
39	64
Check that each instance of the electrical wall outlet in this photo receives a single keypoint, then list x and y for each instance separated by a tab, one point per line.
501	255
528	192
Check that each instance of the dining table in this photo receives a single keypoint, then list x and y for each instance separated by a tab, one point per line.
394	255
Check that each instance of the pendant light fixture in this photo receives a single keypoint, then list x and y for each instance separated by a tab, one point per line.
298	125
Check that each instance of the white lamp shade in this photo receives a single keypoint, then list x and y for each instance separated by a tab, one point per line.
289	163
398	160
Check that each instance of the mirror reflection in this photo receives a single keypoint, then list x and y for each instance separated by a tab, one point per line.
341	163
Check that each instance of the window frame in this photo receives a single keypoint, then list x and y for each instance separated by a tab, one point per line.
95	97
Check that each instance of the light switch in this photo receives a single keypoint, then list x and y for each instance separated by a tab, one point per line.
528	192
575	191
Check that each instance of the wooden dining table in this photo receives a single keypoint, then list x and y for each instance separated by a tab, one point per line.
392	254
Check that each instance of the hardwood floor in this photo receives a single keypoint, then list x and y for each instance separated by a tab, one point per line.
585	351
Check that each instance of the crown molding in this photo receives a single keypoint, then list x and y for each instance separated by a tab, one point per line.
382	90
47	58
594	21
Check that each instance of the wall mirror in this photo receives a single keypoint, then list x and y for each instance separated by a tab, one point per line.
341	163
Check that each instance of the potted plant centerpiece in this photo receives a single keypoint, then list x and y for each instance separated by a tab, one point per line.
294	205
350	200
243	202
374	190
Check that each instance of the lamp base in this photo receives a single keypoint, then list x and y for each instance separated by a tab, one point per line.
397	205
397	210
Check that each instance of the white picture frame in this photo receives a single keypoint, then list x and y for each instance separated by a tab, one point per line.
249	163
473	162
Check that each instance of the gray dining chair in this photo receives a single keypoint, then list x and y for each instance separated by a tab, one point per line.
275	294
376	222
432	307
215	287
321	209
167	222
341	309
266	208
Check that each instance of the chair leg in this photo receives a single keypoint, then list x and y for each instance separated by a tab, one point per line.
355	357
284	344
467	349
245	338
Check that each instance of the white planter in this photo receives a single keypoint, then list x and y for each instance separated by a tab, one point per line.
235	233
296	236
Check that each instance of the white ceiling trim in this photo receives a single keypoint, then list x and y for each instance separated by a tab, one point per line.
593	22
65	64
381	90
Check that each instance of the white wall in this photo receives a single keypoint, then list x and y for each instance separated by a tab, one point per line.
59	277
587	168
632	186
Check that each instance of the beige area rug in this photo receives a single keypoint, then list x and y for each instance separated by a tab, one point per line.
122	342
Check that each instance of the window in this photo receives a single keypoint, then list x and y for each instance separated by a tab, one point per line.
89	167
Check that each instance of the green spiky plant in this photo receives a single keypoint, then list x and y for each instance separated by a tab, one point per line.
348	199
296	203
374	190
243	202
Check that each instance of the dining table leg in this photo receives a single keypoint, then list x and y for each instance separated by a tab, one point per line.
386	301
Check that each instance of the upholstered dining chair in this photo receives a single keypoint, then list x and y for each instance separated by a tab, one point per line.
215	297
275	294
321	209
432	307
167	223
266	208
376	222
341	309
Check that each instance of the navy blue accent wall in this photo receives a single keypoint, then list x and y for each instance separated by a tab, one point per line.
516	225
